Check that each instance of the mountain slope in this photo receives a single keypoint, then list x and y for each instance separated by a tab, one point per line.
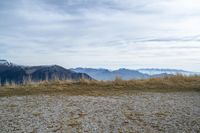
105	74
55	72
12	74
130	74
98	74
19	74
127	74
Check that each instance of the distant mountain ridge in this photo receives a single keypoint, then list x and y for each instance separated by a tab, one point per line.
19	74
105	74
127	74
10	72
154	71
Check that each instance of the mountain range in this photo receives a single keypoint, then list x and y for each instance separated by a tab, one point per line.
128	74
154	71
105	74
10	72
19	74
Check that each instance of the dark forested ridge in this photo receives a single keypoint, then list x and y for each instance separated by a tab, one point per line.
18	74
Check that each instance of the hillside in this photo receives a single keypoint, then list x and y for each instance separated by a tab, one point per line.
105	74
128	74
10	73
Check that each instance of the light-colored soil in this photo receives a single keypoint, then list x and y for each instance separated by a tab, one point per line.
177	112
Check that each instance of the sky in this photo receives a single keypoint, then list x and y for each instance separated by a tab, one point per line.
101	33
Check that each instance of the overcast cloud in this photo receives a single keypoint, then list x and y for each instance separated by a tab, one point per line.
101	33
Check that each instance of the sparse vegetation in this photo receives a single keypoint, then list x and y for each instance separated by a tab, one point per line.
103	88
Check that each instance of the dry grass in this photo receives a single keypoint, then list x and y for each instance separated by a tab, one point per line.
105	88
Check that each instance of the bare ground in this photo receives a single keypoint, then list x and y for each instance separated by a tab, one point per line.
173	112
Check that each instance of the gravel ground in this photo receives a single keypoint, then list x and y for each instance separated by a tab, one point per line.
141	112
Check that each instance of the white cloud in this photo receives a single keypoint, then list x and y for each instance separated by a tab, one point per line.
106	33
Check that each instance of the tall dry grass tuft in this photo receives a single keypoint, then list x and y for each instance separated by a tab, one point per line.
118	80
0	82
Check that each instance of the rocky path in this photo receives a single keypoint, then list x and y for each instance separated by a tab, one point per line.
141	112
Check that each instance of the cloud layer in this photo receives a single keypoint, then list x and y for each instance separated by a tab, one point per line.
105	33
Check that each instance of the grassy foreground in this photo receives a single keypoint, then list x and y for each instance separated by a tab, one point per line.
105	88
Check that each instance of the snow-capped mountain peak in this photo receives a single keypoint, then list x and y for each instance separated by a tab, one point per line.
5	63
